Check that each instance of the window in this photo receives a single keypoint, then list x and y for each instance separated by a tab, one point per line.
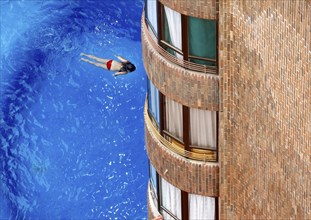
202	41
151	15
153	177
174	120
170	200
201	207
172	32
153	102
203	127
188	38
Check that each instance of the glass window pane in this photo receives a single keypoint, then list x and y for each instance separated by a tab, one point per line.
153	176
201	207
203	127
174	122
170	199
172	30
202	39
167	36
151	14
154	101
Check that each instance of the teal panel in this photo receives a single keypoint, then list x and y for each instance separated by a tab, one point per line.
202	39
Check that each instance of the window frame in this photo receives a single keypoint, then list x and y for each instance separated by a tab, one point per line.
185	40
151	116
147	19
184	202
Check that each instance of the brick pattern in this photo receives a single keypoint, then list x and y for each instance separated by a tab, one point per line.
192	89
265	113
196	8
188	175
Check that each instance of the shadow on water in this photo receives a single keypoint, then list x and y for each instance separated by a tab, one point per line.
21	164
16	153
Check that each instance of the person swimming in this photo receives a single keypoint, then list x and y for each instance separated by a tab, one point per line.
120	68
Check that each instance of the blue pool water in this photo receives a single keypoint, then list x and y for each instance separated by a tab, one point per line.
71	135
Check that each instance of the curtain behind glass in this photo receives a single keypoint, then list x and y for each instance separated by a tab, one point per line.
201	207
171	199
152	14
154	101
167	36
174	122
174	28
203	128
202	39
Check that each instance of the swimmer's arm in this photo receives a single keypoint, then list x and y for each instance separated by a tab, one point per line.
122	59
119	73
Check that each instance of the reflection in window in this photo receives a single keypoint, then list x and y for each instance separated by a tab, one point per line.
151	15
153	177
203	127
202	39
153	101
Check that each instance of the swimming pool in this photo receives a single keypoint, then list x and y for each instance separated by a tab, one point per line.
71	135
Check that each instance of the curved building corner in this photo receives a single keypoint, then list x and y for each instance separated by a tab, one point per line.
227	112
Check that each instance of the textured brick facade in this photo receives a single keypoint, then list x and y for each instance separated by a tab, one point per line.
265	119
190	176
195	8
265	106
192	89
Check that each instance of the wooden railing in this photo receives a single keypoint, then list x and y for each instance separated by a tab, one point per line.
206	155
173	59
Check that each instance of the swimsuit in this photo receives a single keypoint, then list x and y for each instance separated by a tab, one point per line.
108	64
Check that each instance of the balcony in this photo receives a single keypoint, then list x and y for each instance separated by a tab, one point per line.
193	172
191	84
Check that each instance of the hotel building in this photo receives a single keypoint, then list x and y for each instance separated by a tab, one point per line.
228	113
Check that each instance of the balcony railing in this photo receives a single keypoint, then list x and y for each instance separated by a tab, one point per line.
173	59
202	155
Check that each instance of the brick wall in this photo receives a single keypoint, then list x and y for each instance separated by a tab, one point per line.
265	118
192	89
189	175
195	8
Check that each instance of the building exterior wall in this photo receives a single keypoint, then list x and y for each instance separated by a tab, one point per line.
265	120
181	85
199	8
191	176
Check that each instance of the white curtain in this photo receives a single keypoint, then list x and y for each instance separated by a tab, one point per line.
154	102
171	199
174	26
201	207
203	128
152	13
174	118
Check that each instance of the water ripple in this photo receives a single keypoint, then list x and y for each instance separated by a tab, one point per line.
67	130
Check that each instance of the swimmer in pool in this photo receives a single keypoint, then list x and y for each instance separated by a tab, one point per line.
120	68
